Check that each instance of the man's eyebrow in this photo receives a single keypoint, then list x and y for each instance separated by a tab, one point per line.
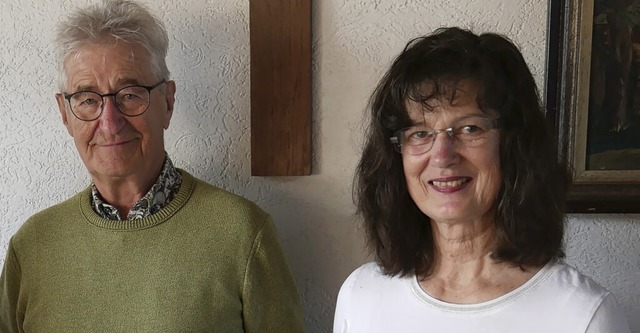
83	87
119	84
127	82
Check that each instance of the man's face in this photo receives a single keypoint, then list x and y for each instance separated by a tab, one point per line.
115	147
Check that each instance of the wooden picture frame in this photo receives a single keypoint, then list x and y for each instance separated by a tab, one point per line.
597	127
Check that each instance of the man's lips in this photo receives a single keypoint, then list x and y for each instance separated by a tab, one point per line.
115	143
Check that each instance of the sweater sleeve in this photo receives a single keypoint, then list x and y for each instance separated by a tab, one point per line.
269	298
608	318
9	290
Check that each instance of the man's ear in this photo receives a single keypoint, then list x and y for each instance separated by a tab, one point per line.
170	98
62	107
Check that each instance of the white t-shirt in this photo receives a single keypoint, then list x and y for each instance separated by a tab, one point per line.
557	299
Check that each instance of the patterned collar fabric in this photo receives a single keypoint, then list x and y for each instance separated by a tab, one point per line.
160	194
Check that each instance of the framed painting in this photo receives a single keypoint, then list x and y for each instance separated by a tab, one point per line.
592	95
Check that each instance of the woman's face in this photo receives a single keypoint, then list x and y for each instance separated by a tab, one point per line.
455	181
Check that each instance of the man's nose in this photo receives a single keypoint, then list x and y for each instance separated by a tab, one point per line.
111	119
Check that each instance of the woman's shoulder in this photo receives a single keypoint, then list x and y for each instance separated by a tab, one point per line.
369	273
369	281
577	300
573	294
367	295
568	280
369	269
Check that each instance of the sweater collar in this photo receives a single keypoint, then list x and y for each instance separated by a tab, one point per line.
161	193
180	199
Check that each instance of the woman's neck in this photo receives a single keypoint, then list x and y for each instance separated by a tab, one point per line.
465	271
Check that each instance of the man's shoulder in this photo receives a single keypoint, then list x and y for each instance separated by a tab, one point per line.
210	191
215	201
50	219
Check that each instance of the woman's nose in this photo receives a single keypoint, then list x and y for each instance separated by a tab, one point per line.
445	150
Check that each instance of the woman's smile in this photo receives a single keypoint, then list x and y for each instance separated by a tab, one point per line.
450	184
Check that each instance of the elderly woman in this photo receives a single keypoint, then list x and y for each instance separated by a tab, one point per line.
463	199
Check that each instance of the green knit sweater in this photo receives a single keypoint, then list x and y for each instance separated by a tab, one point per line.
208	262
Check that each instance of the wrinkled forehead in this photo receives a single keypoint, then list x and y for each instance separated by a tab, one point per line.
113	61
108	50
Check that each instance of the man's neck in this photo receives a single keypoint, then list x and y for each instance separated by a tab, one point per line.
124	192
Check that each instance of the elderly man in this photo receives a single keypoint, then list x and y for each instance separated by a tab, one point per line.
146	247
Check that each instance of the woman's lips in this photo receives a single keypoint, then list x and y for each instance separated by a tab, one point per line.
449	185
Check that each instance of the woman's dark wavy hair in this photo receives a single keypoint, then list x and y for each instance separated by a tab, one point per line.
530	204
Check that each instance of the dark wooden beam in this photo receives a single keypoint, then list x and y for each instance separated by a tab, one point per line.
280	38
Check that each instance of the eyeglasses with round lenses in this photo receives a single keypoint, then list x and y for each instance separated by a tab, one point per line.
131	101
419	139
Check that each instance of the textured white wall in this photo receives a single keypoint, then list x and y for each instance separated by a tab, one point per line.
354	41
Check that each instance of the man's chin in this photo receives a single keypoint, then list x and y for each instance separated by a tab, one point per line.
111	171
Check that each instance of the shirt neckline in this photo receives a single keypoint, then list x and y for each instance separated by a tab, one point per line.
159	195
533	283
159	217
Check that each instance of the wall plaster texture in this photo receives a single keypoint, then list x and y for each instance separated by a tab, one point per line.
353	42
